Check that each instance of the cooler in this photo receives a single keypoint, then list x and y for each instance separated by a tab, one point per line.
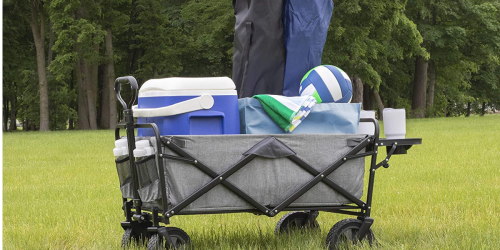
189	106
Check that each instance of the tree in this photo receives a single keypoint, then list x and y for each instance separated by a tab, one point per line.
79	36
38	23
482	21
419	87
456	34
436	58
108	101
208	28
111	17
155	38
20	87
365	39
34	13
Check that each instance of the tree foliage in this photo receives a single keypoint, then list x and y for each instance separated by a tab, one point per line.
376	42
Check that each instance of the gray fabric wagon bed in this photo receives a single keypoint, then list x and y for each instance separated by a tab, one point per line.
270	178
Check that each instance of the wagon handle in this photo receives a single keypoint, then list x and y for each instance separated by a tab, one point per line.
133	84
376	133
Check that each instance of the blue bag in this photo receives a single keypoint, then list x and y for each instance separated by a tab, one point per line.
325	118
305	25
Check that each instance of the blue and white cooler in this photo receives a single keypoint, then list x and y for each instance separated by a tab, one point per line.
189	106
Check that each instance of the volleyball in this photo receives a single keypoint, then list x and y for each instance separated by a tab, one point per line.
327	83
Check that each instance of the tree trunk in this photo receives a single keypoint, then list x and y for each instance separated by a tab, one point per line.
92	96
468	110
86	91
367	98
483	109
5	112
88	81
419	88
83	117
100	85
38	30
32	126
104	103
380	105
72	103
108	108
432	83
432	67
357	90
13	111
134	61
25	125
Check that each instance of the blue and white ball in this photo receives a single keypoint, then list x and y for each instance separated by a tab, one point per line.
327	83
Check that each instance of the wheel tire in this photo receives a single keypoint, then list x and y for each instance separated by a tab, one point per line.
343	235
180	240
295	221
128	237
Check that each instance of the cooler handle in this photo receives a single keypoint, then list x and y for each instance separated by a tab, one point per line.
198	103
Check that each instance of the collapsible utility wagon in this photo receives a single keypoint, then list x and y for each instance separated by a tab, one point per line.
259	174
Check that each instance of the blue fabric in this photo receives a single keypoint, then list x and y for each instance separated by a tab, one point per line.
325	118
305	26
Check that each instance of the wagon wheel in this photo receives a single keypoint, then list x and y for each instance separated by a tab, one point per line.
180	240
344	235
130	237
295	221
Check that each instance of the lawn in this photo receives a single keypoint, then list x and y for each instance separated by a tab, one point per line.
61	192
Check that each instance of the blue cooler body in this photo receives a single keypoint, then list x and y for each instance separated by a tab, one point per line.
221	117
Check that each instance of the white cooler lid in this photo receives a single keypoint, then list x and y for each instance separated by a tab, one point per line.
188	86
188	83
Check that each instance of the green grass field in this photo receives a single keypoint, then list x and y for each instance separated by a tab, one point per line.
60	191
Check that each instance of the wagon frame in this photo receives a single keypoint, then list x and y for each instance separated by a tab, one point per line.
144	223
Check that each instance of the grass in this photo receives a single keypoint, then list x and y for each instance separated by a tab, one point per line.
61	192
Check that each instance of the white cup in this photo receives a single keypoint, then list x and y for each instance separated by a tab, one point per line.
142	144
121	143
149	150
366	127
139	152
125	150
117	152
394	123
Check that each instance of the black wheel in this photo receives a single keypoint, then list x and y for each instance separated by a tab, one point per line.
344	235
180	240
295	221
130	237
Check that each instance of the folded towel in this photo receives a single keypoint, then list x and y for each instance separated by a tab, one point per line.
287	112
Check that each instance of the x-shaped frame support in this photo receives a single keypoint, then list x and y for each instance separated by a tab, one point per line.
319	176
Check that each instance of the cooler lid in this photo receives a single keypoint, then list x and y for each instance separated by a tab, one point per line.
187	83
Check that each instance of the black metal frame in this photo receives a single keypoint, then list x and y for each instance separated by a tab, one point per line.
360	208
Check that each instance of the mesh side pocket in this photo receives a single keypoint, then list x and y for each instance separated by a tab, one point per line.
149	188
125	176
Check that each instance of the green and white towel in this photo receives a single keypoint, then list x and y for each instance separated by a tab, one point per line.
287	112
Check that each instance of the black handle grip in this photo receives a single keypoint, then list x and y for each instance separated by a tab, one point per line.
375	123
133	84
